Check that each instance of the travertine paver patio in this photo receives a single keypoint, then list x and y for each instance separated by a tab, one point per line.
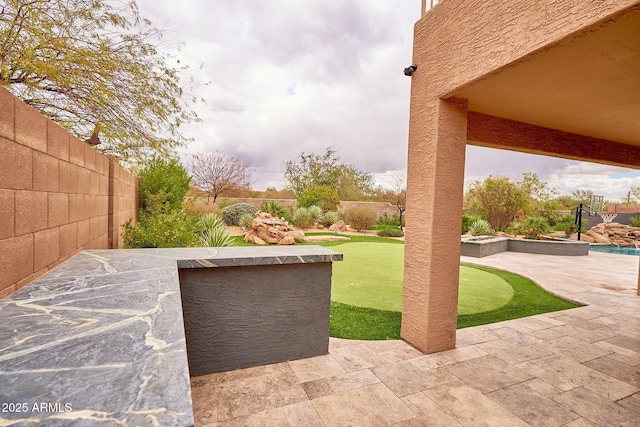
579	367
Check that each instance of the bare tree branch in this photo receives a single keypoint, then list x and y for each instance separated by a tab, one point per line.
216	173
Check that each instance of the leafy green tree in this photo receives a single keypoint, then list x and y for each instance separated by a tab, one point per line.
312	170
498	200
322	196
581	196
164	220
163	184
98	69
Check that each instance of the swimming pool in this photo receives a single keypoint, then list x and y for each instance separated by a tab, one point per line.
615	249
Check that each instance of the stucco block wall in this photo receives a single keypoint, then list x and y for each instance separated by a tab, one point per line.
55	195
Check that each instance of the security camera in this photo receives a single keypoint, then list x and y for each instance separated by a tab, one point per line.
409	70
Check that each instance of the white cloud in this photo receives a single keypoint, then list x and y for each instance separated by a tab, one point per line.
287	76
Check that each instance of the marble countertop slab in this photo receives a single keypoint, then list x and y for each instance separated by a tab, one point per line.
99	340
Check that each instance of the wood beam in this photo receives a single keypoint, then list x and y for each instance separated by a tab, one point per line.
496	132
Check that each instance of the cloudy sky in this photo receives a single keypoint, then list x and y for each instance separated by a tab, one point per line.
280	77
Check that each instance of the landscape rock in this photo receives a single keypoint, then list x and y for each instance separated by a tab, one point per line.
297	235
339	226
615	234
266	229
287	240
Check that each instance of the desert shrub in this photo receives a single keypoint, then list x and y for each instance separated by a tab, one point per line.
213	232
481	227
224	202
315	213
360	217
202	207
568	227
467	220
302	218
232	214
386	219
532	227
163	184
390	232
329	218
164	221
245	220
320	195
176	228
273	208
634	221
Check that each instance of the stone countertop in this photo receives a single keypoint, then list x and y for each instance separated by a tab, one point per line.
99	340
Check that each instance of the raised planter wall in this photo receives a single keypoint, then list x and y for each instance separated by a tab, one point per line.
484	246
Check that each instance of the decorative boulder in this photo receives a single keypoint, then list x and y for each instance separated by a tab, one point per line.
339	226
287	240
266	229
615	234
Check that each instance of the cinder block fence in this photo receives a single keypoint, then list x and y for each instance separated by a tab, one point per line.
58	195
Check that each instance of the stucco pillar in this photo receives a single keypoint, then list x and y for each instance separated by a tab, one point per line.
437	140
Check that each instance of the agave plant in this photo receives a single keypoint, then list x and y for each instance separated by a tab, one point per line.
213	232
315	212
329	218
481	227
245	220
301	218
273	208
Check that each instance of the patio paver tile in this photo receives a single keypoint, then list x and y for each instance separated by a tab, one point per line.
354	358
632	403
470	407
512	353
373	405
268	418
488	373
302	414
429	414
531	406
616	369
317	388
352	380
583	376
596	408
404	378
316	368
624	341
578	349
449	357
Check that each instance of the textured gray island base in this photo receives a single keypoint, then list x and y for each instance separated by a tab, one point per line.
242	317
100	340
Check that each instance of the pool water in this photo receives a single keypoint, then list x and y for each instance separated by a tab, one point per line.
615	250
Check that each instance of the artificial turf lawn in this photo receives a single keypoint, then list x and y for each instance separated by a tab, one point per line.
371	277
486	295
356	322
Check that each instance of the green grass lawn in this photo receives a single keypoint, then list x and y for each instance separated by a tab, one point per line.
371	277
366	291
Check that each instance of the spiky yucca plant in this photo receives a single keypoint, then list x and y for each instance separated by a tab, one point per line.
213	232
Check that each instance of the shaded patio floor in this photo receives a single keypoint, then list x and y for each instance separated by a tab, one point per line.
578	367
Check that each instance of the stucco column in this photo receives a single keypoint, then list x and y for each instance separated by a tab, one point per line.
435	180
